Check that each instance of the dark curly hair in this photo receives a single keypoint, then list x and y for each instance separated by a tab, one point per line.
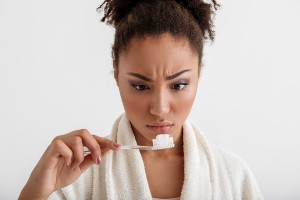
190	19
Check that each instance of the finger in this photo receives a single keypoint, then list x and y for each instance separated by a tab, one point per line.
89	141
60	149
105	151
106	143
87	162
75	144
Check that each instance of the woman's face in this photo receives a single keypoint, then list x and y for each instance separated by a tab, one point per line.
157	78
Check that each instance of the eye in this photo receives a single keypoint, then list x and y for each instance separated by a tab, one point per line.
179	86
139	87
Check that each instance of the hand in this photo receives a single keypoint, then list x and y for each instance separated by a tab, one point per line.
64	161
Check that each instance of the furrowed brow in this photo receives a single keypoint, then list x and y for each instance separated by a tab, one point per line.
177	74
150	80
140	76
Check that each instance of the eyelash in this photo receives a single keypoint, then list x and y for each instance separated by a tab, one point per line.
145	87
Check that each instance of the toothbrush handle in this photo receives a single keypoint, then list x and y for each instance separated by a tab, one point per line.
125	147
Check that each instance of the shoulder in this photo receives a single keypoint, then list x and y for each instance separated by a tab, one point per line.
229	163
231	168
225	158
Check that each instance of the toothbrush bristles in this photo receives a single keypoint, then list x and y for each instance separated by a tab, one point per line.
163	141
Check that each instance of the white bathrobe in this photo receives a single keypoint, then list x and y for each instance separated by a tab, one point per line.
209	172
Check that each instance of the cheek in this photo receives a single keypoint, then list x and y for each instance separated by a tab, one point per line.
184	103
133	104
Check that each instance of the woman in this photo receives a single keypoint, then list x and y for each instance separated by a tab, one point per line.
157	56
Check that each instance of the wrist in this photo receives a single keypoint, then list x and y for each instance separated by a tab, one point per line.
28	194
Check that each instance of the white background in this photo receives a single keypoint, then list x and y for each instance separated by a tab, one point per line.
55	77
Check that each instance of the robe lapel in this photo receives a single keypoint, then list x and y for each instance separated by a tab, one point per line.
127	178
196	167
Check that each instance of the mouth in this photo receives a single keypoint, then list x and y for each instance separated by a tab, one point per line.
160	128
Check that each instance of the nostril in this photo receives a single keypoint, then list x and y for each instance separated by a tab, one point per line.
160	104
159	110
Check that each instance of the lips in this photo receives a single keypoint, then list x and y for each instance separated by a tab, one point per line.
160	128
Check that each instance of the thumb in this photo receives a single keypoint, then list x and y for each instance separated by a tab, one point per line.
87	162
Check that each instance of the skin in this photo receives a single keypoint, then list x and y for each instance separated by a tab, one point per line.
172	67
150	98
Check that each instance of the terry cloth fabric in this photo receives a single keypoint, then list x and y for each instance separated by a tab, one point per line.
210	173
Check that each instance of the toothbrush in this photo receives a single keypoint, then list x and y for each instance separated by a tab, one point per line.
162	141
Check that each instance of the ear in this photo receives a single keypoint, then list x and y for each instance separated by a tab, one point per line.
116	72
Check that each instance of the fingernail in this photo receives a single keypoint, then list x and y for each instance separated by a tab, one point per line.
116	145
99	160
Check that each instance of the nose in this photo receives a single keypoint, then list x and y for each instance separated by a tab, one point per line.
160	104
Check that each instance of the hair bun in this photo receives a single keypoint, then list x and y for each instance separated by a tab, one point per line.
202	12
116	10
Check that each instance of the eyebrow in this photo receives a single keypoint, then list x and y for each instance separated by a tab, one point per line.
145	78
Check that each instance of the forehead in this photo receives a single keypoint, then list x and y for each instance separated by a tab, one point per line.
163	51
